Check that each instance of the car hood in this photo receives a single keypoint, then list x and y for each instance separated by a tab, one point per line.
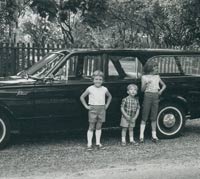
15	80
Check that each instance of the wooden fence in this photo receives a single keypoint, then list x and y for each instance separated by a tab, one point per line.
14	58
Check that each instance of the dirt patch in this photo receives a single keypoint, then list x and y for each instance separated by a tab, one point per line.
64	156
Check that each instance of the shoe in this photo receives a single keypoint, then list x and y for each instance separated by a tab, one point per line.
154	140
141	140
123	144
100	147
134	143
89	148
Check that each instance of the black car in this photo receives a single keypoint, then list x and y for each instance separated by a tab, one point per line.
46	97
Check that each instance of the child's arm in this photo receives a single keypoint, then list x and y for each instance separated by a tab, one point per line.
109	99
124	113
82	98
163	87
137	113
144	84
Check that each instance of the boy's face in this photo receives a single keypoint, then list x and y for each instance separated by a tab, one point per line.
98	80
132	91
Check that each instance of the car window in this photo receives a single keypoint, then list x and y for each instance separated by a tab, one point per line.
79	67
41	68
190	64
178	65
91	63
67	70
124	67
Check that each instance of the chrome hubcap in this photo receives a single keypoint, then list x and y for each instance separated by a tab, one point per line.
169	120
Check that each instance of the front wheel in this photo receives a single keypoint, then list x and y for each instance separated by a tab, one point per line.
170	121
4	131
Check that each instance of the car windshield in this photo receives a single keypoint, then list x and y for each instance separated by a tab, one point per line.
41	68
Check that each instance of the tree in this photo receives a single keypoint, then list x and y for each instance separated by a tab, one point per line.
9	15
89	11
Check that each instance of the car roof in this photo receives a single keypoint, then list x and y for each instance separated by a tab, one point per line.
143	54
130	50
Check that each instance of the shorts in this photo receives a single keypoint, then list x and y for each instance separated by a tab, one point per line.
150	106
97	114
125	123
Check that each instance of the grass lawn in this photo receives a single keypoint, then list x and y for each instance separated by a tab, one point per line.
51	155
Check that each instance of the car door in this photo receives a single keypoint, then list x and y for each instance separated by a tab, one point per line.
58	101
20	100
122	71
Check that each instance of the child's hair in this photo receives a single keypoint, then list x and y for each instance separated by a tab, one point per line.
148	67
132	86
98	73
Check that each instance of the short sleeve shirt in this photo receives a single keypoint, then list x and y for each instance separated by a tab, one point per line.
152	82
130	105
97	95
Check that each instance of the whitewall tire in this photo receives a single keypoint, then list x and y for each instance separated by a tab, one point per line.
170	121
4	131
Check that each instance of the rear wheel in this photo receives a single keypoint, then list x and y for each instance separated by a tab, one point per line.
4	131
170	121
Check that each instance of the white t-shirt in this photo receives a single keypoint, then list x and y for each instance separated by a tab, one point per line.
152	82
97	95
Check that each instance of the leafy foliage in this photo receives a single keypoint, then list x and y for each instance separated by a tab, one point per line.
91	12
109	23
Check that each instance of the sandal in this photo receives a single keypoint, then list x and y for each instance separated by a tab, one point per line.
141	140
100	147
123	144
154	140
89	148
134	143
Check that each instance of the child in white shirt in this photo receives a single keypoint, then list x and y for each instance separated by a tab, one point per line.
96	106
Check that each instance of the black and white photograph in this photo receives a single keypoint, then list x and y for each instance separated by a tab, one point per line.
99	89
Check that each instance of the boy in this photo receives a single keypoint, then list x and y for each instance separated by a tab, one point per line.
96	106
130	109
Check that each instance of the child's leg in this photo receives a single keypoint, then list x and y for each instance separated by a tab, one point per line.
142	128
145	114
153	126
90	134
124	130
98	133
153	116
131	136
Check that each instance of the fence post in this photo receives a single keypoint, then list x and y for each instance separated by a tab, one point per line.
33	53
28	55
1	59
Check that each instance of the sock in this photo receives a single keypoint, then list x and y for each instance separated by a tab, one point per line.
154	134
131	139
124	139
89	137
142	128
131	135
98	137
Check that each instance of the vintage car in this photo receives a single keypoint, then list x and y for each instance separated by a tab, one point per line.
46	97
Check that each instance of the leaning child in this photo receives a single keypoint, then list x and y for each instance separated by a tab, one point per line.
96	107
130	108
153	87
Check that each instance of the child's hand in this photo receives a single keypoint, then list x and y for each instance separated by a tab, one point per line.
88	107
128	118
106	107
159	93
